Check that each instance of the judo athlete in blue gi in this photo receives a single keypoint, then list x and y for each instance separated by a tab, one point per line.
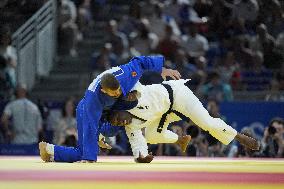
101	95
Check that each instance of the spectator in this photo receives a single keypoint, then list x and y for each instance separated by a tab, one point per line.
272	141
26	119
243	54
187	14
216	89
202	146
130	22
265	43
263	40
68	29
194	132
168	45
216	150
229	70
9	53
236	27
257	77
182	64
145	42
85	17
195	44
197	72
159	20
132	51
275	93
118	40
171	9
66	128
103	60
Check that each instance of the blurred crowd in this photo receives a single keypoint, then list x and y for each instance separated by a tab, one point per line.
222	45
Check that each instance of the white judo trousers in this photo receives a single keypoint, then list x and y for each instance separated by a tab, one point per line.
189	105
154	102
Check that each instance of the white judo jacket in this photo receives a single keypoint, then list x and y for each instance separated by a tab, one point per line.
153	102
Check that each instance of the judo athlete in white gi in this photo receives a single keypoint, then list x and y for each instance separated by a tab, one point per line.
160	104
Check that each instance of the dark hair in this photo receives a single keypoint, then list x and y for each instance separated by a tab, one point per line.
108	81
278	120
193	131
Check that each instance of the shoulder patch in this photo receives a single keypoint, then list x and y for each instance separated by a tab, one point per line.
134	74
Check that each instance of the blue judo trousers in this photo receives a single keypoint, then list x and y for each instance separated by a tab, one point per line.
90	108
71	154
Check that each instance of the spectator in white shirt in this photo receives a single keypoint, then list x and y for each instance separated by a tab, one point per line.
26	119
194	43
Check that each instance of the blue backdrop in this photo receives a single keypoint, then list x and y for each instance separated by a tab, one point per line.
255	115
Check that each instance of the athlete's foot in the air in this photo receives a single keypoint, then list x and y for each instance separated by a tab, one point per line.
183	142
247	141
43	153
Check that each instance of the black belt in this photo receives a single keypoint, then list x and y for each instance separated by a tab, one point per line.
164	116
170	110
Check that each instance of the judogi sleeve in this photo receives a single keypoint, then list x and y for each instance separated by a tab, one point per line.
151	63
137	142
131	72
108	130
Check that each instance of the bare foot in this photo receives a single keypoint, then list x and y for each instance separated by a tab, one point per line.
183	142
247	141
43	153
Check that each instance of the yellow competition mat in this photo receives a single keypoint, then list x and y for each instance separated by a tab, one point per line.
122	172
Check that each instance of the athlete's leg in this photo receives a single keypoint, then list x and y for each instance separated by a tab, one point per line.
188	104
72	154
50	152
153	136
